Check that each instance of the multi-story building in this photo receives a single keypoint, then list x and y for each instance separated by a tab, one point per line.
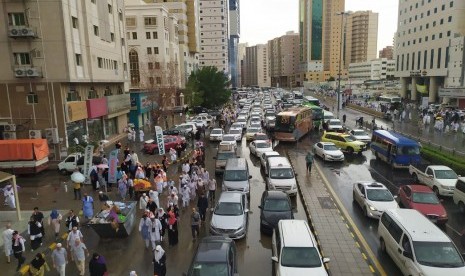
454	90
283	55
256	66
320	37
234	34
64	71
361	37
214	34
373	70
387	52
241	57
422	44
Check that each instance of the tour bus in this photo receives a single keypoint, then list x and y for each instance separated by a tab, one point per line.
311	101
293	123
395	149
389	99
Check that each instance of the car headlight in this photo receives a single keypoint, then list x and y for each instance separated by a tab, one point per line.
445	187
239	230
372	208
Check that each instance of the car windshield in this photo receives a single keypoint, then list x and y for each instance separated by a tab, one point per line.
349	138
235	175
445	174
264	145
330	147
261	137
225	155
217	131
437	254
426	198
276	205
334	123
360	133
379	195
235	131
300	257
209	269
285	173
184	127
253	130
229	138
228	209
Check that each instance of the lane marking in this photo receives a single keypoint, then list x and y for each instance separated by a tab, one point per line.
351	222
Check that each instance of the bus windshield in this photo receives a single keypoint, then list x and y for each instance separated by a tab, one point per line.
285	123
408	150
317	113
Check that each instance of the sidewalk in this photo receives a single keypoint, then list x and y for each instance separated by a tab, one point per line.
334	230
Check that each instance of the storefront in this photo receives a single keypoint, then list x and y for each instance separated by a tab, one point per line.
453	95
76	129
96	109
141	107
116	119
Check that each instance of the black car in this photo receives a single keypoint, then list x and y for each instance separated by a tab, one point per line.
216	255
274	206
171	131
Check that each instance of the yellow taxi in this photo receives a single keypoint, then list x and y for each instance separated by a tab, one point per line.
344	141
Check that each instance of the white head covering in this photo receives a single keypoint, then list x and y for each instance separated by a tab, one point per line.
158	253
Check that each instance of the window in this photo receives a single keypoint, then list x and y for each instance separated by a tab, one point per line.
438	64
157	65
134	68
155	35
95	30
107	91
149	50
425	58
431	61
150	65
74	21
448	33
418	60
449	19
130	22
16	19
155	49
32	98
78	60
112	37
147	35
115	64
433	37
150	21
22	58
92	1
158	80
151	80
100	62
110	9
92	94
72	96
122	42
442	21
134	35
443	7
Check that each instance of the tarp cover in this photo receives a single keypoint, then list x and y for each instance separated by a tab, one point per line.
23	149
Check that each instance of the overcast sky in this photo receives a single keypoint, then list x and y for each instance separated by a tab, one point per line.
262	20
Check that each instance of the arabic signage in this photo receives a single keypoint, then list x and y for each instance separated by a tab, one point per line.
160	141
89	152
452	92
76	111
97	107
112	166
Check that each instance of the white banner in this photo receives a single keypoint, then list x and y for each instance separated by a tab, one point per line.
160	141
89	153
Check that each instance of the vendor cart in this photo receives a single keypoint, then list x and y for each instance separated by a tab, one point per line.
104	228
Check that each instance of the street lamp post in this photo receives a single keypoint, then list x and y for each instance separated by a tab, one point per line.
340	63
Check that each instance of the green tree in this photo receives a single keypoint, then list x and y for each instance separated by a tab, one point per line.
207	87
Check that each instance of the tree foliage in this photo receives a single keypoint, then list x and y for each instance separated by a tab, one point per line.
207	87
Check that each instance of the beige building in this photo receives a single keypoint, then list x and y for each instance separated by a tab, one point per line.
256	66
361	37
284	60
422	45
387	52
241	57
214	34
64	71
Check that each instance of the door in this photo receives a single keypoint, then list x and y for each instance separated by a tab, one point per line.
360	194
407	265
393	243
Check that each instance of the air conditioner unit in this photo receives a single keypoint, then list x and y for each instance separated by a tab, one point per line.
20	73
51	134
27	32
32	72
15	32
9	135
10	127
35	134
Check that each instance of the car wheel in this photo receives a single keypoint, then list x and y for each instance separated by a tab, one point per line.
365	211
382	245
436	191
415	178
350	150
377	156
323	157
353	197
64	172
461	207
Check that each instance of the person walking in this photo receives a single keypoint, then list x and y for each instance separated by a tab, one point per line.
17	247
211	191
344	118
155	229
159	261
74	235
195	223
309	161
60	259
35	234
97	265
172	228
88	206
39	217
141	135
71	221
202	205
144	226
38	266
55	220
144	199
185	195
7	236
77	190
78	254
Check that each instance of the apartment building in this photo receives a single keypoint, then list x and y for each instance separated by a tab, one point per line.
283	55
64	71
422	45
256	66
234	35
361	37
241	57
214	34
386	52
373	70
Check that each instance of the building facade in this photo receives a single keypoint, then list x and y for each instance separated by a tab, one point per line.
386	52
373	70
214	34
283	55
454	90
64	72
241	57
422	45
361	37
234	35
256	66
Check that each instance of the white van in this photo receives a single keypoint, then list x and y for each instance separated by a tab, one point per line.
295	250
327	116
418	246
280	175
459	194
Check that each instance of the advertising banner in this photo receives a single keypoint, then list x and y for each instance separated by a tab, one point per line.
89	152
112	166
160	141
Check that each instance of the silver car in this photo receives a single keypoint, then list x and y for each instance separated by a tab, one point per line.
230	215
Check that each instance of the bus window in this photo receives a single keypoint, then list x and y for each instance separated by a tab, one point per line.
409	150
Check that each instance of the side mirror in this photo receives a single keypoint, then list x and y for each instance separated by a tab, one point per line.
408	255
246	210
260	207
430	175
250	177
274	259
325	260
395	197
296	174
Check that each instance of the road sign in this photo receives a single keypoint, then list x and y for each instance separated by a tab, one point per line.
160	141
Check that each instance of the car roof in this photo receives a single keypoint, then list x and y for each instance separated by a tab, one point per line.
236	163
373	185
292	230
230	196
271	153
275	194
417	225
327	143
279	161
420	188
337	134
213	249
262	141
440	167
217	128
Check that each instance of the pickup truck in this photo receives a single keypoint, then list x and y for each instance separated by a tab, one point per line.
73	161
441	179
24	156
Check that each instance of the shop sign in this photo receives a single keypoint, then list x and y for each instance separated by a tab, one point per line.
97	107
160	141
88	154
145	104
118	103
76	111
134	101
113	164
452	92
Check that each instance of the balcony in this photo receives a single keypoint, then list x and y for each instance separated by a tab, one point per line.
21	32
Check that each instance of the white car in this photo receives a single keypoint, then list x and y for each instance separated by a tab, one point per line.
187	128
361	135
374	198
229	139
264	155
216	134
199	123
230	215
242	120
250	132
328	151
334	125
236	125
255	124
259	147
237	132
209	118
202	118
